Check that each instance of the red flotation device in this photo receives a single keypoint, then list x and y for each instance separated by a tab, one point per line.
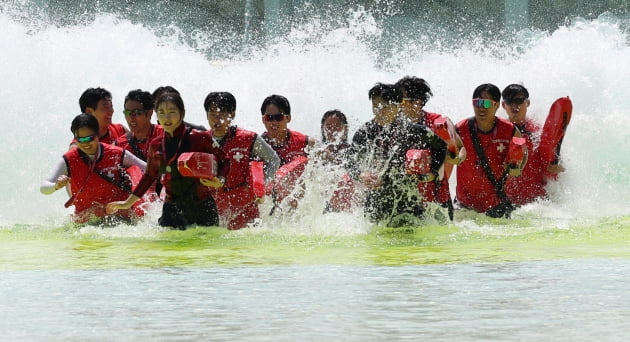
418	162
197	165
516	152
553	130
445	131
287	176
256	178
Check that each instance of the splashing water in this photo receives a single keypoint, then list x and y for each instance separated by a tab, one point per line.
46	67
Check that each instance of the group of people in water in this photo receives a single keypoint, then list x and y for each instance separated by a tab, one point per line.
396	166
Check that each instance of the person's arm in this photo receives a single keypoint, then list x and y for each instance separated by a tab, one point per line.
461	150
57	179
130	159
262	151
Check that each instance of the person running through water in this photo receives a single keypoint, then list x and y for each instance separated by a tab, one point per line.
530	186
378	160
481	177
235	198
187	201
416	93
97	175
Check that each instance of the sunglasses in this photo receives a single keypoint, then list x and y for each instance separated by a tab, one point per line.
274	117
134	112
479	103
85	140
516	101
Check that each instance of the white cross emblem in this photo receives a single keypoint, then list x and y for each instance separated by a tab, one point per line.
501	148
238	156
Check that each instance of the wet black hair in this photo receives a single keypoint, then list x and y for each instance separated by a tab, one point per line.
415	87
280	101
84	120
225	101
387	92
91	96
141	96
174	98
337	113
490	88
514	89
159	91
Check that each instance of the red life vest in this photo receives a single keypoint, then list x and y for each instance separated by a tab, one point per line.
474	189
90	189
531	183
235	199
436	191
293	146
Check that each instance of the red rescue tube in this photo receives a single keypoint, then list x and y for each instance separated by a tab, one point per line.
287	176
554	129
257	178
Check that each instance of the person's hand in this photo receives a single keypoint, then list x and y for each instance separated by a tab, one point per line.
215	182
113	207
61	182
370	180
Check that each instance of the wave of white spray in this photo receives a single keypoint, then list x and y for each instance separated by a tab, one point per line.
45	71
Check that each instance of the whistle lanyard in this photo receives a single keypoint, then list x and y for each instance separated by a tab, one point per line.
164	151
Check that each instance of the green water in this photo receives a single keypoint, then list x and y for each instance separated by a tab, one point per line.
467	241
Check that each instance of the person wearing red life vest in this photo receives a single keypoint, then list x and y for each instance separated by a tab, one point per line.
481	177
96	173
288	144
531	184
138	111
187	201
334	153
98	103
416	92
235	198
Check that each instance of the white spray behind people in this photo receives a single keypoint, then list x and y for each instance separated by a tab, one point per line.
44	71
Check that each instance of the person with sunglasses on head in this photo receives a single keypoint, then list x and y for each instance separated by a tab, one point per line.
96	172
416	92
159	91
481	177
531	184
288	144
187	201
378	160
235	198
98	103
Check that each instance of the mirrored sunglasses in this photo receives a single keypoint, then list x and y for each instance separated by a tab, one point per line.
87	139
483	103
